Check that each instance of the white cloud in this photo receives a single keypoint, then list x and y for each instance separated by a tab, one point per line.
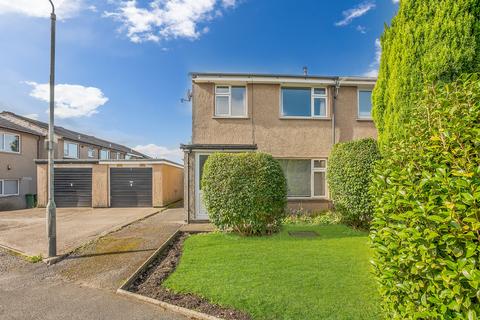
33	116
41	8
361	29
355	12
373	69
396	1
71	100
156	151
167	19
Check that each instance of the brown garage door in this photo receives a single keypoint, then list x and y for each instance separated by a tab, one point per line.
131	187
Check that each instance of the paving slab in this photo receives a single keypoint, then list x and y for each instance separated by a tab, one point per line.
25	230
107	262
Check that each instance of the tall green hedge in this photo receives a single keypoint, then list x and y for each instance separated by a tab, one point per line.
427	41
426	226
349	177
245	192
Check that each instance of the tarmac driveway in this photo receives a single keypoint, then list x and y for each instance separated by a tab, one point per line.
25	230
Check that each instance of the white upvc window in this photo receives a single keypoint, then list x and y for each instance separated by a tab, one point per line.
91	152
230	101
70	150
365	104
306	178
104	154
304	102
9	142
116	155
9	187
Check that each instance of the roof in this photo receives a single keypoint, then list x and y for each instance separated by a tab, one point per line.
111	161
218	146
4	123
74	135
279	78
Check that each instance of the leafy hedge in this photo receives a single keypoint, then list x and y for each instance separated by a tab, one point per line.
426	226
246	192
426	42
349	176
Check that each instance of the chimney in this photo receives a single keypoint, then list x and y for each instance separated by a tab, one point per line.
305	71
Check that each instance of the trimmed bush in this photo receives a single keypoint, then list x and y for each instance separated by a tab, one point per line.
349	177
426	227
427	41
245	192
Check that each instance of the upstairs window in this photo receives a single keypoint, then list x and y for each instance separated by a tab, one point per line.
70	150
304	102
104	154
230	101
365	104
91	153
9	142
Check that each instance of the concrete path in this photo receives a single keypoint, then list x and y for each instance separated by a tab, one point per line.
34	291
25	230
107	262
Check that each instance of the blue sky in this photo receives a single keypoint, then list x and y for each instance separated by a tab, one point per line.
122	66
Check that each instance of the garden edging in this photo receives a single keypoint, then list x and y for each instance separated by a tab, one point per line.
165	305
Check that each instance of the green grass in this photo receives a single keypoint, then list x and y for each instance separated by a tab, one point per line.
281	277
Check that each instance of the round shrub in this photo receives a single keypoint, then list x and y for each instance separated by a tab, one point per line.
426	227
349	177
244	192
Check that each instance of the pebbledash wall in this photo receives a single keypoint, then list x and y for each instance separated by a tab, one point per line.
167	179
265	130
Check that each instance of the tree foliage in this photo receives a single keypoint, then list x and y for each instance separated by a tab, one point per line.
426	226
427	41
245	192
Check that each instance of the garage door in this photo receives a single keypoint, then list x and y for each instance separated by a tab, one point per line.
131	187
73	187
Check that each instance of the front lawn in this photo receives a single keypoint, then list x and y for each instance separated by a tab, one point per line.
282	277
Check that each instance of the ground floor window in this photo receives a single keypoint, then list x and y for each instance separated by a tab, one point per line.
9	187
306	178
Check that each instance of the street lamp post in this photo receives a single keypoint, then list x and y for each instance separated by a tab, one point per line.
51	208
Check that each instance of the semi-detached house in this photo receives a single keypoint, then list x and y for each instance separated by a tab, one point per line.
295	118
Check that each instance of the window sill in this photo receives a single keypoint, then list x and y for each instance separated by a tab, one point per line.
306	118
307	198
365	119
234	118
9	195
9	152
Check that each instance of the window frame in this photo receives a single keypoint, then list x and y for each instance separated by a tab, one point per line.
3	133
66	143
229	95
100	154
313	95
93	153
2	182
359	117
312	182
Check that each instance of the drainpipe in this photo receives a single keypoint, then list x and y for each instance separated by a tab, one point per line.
335	94
188	185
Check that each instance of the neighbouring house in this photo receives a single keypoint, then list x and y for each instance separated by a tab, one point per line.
295	118
22	140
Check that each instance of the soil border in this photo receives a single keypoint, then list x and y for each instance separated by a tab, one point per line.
153	261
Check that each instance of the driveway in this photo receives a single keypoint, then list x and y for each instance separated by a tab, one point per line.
25	230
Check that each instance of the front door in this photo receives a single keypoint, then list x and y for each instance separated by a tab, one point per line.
201	211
